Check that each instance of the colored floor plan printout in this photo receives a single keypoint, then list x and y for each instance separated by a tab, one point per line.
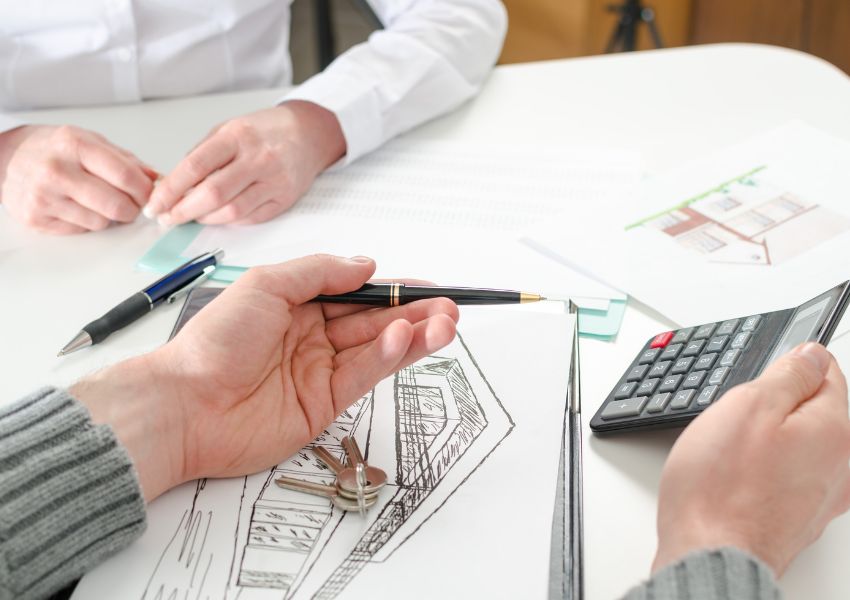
749	221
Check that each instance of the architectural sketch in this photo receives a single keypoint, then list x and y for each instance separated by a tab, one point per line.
749	220
429	427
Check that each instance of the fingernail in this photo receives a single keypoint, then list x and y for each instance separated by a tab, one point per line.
164	219
816	354
149	212
360	259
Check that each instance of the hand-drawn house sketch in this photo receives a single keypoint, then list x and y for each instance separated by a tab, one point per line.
429	427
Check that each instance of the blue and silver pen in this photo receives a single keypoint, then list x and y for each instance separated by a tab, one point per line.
177	283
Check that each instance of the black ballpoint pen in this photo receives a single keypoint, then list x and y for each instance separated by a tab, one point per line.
395	294
178	282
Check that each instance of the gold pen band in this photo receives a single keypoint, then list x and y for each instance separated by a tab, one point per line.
395	294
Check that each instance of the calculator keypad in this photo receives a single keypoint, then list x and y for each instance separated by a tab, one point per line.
681	372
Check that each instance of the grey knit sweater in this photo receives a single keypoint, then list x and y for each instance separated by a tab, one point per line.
69	498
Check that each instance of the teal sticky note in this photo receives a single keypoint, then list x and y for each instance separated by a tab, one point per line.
167	253
601	324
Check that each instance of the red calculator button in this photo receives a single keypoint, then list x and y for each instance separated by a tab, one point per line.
661	340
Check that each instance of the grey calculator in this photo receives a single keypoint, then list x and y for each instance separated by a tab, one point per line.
679	373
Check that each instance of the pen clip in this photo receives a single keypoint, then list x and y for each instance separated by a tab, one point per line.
205	274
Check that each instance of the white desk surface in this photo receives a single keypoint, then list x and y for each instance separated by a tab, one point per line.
672	105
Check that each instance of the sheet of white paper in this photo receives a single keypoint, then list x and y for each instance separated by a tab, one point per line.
447	213
449	431
763	225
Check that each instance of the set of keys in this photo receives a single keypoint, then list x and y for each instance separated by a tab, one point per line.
357	484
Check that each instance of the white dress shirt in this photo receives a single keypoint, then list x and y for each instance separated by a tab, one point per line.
431	56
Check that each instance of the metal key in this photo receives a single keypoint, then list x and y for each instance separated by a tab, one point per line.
375	477
347	481
327	491
360	469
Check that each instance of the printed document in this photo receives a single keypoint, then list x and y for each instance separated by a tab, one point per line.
448	213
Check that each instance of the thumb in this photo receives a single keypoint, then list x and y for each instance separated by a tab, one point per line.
302	279
794	377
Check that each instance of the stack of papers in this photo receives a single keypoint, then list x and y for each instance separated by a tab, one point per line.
758	227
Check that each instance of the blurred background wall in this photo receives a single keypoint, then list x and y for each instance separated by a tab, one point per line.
558	28
547	29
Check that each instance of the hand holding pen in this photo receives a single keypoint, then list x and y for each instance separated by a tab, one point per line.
191	274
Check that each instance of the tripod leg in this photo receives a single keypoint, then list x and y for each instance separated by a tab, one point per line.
630	36
616	39
647	15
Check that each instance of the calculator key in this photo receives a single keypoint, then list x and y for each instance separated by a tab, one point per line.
682	336
682	399
728	327
670	383
704	331
649	356
694	379
683	365
617	409
658	402
625	390
706	395
705	362
637	373
671	352
718	376
659	369
740	340
716	344
661	340
750	323
729	357
647	387
693	348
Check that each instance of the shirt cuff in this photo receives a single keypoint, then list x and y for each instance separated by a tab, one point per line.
717	574
69	495
355	105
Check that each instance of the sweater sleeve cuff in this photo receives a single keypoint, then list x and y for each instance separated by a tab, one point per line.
69	495
718	574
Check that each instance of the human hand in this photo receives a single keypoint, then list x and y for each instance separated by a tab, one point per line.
259	372
68	180
251	168
765	469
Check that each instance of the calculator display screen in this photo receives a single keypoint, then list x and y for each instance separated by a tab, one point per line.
805	324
